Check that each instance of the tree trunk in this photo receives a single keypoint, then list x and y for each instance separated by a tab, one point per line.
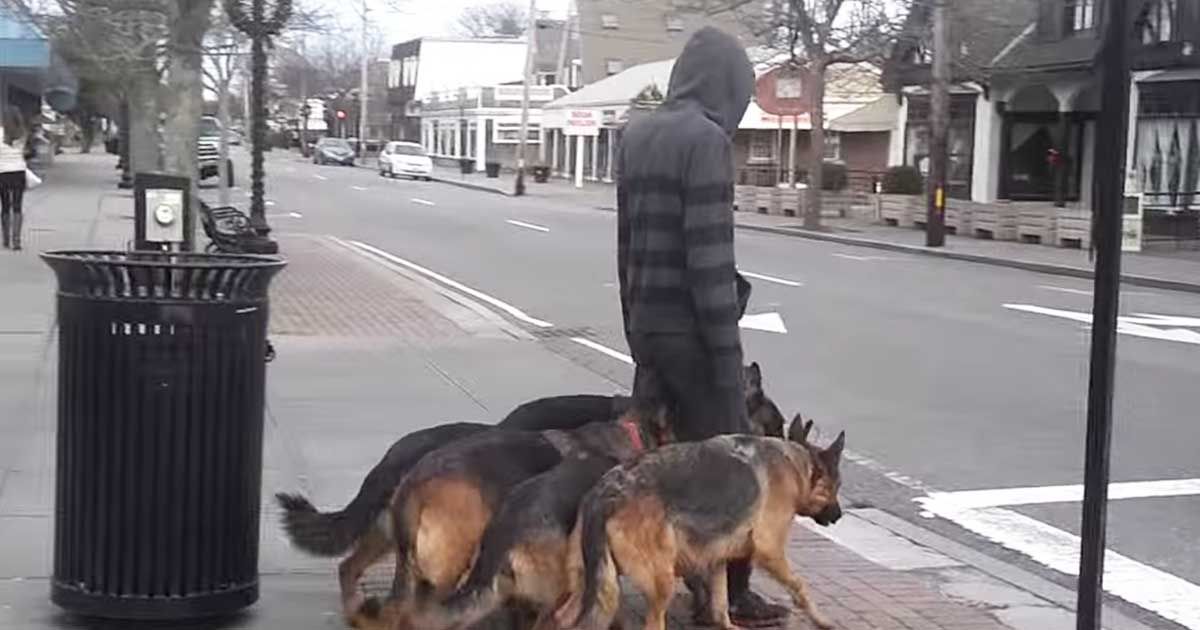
87	132
185	85
223	152
145	142
816	156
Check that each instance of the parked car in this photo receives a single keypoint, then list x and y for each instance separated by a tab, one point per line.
405	158
333	151
208	151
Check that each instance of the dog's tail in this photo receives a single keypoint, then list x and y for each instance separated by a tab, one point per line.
323	533
599	569
333	533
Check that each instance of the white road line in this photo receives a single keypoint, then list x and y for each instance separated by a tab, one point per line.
1064	290
530	226
763	276
1158	591
602	349
504	306
1033	495
423	202
296	215
860	258
359	187
269	203
320	177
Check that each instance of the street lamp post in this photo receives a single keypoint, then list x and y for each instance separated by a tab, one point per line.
254	22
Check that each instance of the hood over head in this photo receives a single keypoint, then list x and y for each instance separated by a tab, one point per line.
713	72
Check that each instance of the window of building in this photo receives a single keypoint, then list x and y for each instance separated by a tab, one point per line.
510	133
833	146
762	146
408	76
613	66
610	21
1079	15
1158	24
1167	146
546	78
394	73
674	23
922	53
961	141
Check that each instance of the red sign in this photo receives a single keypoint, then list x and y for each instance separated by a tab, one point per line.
781	91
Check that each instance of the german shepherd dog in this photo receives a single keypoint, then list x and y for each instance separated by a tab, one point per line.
690	508
364	523
523	553
442	507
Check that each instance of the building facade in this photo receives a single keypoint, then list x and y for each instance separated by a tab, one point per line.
482	124
619	34
1023	117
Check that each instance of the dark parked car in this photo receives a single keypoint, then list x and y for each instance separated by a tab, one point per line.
333	151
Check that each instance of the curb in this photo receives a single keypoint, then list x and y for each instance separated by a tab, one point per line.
470	185
1026	265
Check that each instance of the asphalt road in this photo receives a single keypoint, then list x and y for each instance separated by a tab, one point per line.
947	376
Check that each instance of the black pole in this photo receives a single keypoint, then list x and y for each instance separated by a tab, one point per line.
1109	204
258	123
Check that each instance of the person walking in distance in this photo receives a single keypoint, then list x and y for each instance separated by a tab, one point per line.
12	181
681	294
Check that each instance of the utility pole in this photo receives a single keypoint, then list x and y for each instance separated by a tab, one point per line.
939	129
1109	206
530	50
362	89
304	110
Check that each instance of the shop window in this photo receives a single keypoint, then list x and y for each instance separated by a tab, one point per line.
510	133
1158	24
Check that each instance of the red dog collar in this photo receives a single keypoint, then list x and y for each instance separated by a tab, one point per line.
635	435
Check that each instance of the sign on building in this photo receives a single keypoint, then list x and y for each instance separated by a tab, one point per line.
582	122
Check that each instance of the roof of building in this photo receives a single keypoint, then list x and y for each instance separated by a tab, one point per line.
1029	53
620	88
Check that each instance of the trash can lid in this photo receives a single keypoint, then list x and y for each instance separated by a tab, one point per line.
144	275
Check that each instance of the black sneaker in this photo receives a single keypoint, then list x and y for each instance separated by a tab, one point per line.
751	610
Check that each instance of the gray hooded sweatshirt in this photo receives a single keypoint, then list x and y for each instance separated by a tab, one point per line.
675	205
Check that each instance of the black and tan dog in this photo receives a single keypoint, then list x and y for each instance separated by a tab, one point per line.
442	507
364	523
523	553
690	508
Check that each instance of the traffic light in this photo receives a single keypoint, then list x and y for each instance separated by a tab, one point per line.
341	114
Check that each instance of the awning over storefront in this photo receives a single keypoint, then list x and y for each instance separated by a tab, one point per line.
877	115
28	63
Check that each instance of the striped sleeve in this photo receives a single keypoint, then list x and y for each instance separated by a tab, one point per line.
708	243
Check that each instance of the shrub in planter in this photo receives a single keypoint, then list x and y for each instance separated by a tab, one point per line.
493	169
833	176
903	180
541	173
466	166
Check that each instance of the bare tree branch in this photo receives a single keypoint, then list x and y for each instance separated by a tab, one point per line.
505	18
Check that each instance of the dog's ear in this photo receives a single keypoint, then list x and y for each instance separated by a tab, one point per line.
831	456
754	375
799	430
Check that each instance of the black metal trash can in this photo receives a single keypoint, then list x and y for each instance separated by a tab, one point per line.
160	424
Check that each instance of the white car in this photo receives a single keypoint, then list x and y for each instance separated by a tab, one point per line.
405	158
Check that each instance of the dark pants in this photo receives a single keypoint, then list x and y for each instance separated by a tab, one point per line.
676	369
12	192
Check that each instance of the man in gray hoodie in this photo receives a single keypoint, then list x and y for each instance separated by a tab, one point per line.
681	295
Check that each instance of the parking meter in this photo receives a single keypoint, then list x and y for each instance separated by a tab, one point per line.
163	218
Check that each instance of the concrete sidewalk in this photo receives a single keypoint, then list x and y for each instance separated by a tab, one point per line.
367	352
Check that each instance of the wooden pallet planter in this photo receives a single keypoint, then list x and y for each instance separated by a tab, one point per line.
1074	228
1037	224
744	198
790	202
766	199
898	210
996	221
959	217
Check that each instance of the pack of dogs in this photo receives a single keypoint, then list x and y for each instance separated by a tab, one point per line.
539	515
